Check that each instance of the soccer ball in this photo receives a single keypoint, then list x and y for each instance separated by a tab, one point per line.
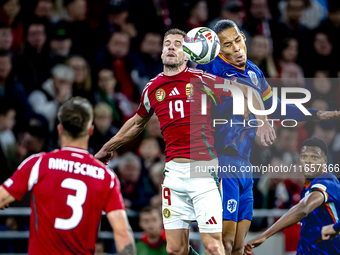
201	45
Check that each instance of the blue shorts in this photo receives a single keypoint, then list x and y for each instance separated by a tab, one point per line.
236	190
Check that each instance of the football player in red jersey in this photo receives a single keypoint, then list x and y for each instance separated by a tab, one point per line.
175	96
70	189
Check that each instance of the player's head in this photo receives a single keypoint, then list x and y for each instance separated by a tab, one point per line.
75	117
233	47
172	54
313	157
150	221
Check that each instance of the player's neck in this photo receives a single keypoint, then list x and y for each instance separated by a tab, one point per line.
169	71
81	143
308	181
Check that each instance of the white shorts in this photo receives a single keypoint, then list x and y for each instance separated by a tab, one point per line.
186	199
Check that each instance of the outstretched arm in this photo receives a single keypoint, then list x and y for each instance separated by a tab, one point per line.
266	131
131	129
293	112
122	232
294	215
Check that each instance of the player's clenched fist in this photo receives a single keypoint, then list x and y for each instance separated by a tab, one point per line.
328	232
253	244
104	155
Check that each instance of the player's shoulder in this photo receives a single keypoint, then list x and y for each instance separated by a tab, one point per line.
252	67
31	160
154	82
324	181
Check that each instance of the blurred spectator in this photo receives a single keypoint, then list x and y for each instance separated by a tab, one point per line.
99	247
35	63
12	92
326	130
135	187
258	18
261	56
290	72
78	28
323	88
198	14
44	9
13	246
34	139
323	53
54	92
117	19
285	146
8	153
150	152
115	56
153	240
82	85
122	107
10	13
148	59
233	10
319	104
103	129
6	37
331	26
60	43
311	15
157	178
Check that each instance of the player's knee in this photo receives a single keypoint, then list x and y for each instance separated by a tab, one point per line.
238	250
212	247
228	245
176	250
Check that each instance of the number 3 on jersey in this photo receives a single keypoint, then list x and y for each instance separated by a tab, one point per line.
178	108
75	202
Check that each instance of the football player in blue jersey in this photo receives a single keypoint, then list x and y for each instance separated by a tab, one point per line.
319	204
234	143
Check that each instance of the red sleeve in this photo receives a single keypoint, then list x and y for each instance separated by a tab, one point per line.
24	177
145	110
115	200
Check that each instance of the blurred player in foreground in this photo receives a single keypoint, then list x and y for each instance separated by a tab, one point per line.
319	205
234	144
70	188
175	96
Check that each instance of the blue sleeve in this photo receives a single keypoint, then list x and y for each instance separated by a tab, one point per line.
201	67
292	111
336	226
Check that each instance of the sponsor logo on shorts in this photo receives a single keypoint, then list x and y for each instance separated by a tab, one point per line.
211	221
231	206
166	213
160	94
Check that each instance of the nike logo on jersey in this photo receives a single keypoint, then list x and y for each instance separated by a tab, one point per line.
174	92
230	74
211	221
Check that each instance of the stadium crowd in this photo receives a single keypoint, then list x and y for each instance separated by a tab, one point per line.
107	50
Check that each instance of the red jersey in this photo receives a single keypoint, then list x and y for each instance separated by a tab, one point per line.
177	102
70	188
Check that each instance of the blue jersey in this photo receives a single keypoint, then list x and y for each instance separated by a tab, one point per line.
238	136
310	236
241	136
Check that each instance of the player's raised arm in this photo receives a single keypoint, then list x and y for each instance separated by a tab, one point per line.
122	232
294	215
131	129
266	131
5	198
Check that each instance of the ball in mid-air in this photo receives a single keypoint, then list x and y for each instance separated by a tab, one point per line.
201	45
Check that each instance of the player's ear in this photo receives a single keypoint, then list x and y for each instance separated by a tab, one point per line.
325	159
244	37
91	130
60	129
